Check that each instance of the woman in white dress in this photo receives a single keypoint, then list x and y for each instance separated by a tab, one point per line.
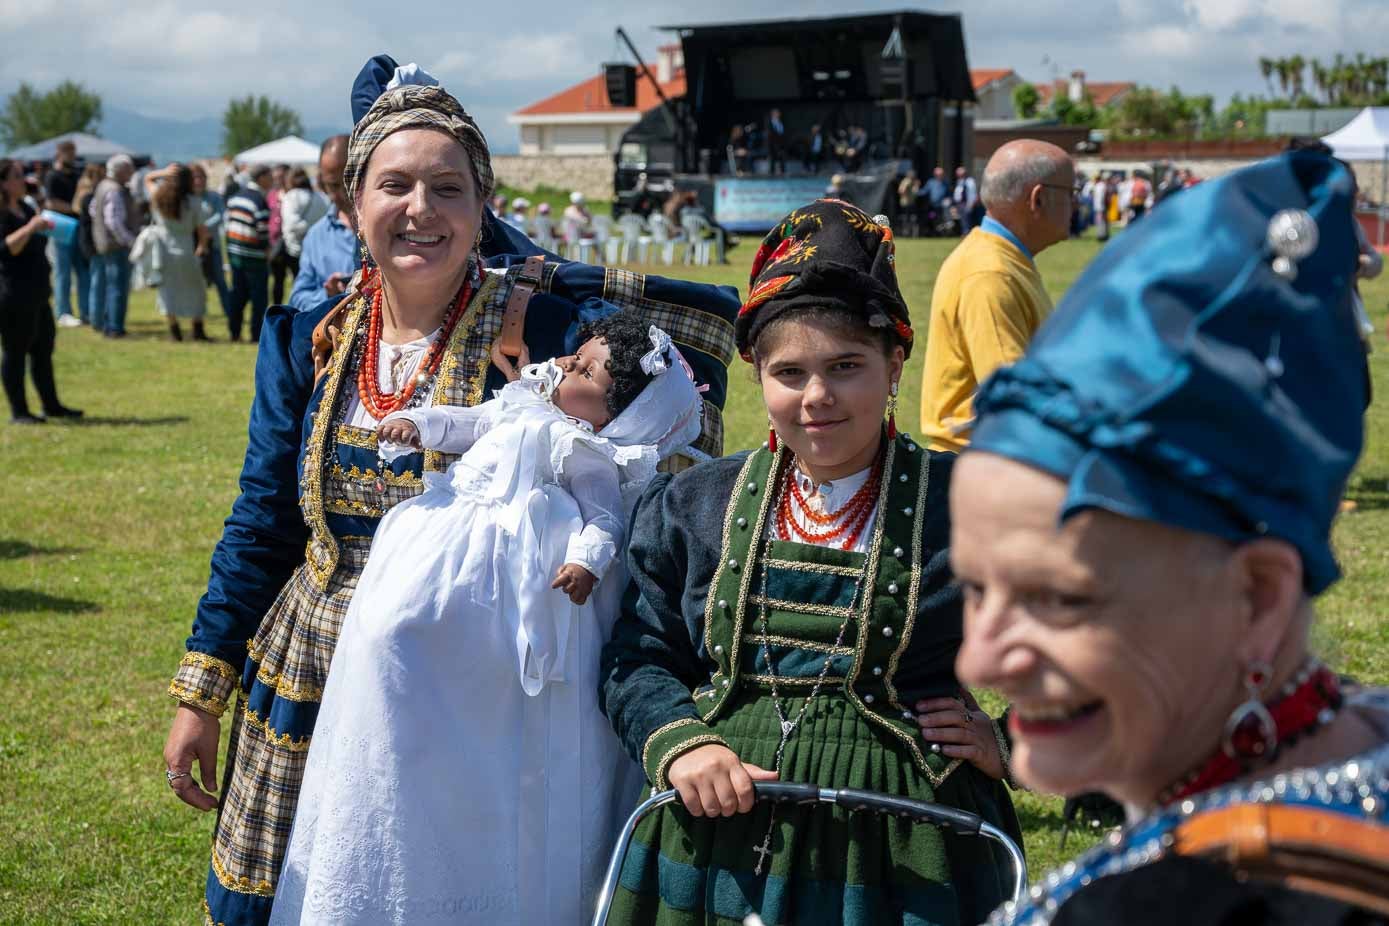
485	591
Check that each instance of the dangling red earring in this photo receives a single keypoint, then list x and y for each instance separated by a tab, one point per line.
1251	732
771	436
892	414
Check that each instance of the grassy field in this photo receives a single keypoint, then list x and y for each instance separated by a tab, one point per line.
105	531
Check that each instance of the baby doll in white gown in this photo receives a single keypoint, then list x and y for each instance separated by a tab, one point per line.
461	771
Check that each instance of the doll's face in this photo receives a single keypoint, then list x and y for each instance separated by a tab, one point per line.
583	393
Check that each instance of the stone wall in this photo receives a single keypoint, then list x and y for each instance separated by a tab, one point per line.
591	175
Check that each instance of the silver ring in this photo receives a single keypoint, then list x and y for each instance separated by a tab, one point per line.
174	776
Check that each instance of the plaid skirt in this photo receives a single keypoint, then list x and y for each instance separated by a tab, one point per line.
828	866
271	730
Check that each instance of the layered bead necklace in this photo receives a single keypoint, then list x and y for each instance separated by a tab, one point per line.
847	522
379	404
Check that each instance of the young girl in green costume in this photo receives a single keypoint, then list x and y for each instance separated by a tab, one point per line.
793	616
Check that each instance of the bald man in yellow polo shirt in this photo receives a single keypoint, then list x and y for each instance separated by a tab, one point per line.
989	299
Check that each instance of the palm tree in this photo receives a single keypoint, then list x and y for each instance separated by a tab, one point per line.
1284	71
1266	69
1319	76
1296	65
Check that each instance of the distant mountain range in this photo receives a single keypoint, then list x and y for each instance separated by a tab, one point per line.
168	140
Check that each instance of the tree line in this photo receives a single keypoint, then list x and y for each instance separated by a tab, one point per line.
29	116
1301	83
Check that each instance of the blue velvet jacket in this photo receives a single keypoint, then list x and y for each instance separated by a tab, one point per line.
303	482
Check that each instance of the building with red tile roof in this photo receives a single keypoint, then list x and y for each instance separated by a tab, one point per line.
1077	88
579	119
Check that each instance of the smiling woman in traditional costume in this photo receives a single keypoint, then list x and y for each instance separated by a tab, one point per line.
793	616
420	327
1140	528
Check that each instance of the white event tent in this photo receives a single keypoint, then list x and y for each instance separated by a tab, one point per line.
91	149
291	150
1366	138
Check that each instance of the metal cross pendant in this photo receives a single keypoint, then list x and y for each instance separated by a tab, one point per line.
763	851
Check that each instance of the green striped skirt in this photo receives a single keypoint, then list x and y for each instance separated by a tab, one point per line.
828	866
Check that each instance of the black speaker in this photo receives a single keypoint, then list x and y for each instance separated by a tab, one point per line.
622	84
896	77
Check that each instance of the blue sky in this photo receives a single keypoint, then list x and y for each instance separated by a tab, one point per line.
186	59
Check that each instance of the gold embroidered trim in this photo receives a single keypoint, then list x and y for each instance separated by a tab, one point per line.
1006	755
287	691
207	915
350	506
660	783
740	600
221	667
282	740
194	698
792	681
772	639
472	360
405	480
923	484
321	552
797	607
666	728
354	436
241	885
825	568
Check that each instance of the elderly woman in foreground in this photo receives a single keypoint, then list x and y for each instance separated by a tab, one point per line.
1140	530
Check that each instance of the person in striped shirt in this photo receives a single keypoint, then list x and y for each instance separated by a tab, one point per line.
248	243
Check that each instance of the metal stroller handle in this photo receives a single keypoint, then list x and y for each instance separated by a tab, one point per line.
851	799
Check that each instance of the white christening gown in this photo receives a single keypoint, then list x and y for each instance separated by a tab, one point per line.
461	771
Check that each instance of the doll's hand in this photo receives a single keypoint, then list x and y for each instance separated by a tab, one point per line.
399	431
714	783
575	581
509	368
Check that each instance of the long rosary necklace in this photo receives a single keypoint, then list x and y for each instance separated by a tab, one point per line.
789	726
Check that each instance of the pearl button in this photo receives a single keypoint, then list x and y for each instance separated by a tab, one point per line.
723	604
902	478
935	747
911	448
877	670
718	649
752	488
908	511
724	683
733	564
887	631
908	715
898	552
892	588
868	699
742	522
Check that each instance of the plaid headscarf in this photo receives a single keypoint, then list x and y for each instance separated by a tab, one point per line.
828	254
414	106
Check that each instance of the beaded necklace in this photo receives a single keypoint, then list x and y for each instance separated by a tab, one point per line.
789	726
847	522
379	404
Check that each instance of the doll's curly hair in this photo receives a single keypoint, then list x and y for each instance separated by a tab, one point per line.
627	338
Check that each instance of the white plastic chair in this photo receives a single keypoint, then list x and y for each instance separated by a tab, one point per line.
576	246
604	243
662	238
635	244
543	233
700	235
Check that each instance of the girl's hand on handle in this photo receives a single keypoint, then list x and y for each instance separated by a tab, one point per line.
713	782
509	368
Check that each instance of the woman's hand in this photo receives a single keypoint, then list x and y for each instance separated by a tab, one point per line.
511	370
399	431
38	224
714	783
963	731
194	735
575	581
